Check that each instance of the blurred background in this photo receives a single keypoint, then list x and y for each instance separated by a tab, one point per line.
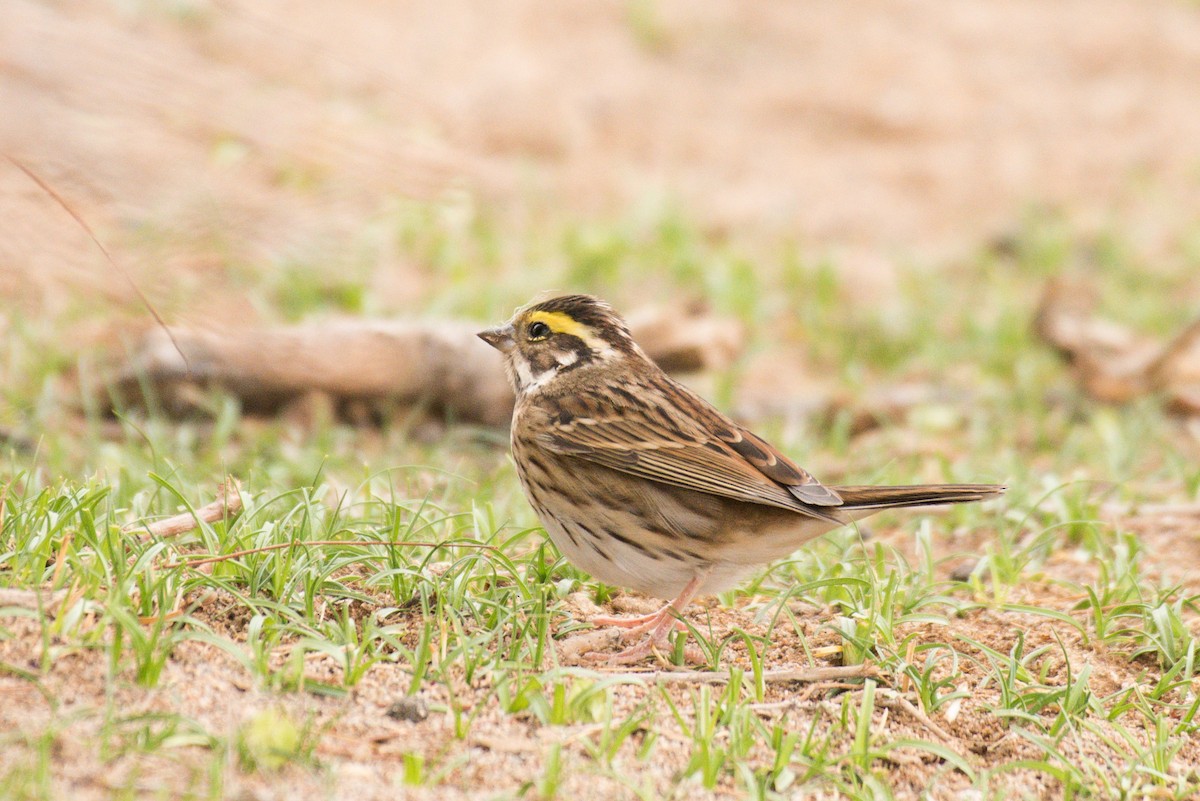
407	157
873	192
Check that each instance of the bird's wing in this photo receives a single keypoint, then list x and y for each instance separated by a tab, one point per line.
671	435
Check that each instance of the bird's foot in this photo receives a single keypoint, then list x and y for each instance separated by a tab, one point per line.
657	628
636	625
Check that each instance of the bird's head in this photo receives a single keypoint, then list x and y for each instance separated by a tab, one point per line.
551	337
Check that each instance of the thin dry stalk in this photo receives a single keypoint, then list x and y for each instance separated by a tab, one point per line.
208	560
60	560
783	676
49	190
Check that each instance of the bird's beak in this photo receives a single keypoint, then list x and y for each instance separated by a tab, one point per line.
500	338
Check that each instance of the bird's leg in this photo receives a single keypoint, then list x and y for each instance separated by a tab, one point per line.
659	625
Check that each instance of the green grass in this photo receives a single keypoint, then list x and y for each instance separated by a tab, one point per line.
416	568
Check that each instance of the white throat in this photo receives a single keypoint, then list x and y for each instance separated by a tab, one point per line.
528	381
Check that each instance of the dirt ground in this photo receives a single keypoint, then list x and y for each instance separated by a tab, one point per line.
203	137
362	745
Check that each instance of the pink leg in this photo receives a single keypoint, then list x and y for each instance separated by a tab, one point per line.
659	625
639	623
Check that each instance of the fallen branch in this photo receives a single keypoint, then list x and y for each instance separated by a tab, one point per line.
367	367
227	505
1113	363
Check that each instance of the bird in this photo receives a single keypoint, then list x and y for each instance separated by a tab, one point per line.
643	484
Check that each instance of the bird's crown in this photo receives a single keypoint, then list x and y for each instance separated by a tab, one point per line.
585	317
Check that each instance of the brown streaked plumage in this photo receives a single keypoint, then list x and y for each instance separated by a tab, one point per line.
644	484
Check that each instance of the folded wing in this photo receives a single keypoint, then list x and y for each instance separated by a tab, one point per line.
687	443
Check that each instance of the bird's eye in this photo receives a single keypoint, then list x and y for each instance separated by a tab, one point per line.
538	330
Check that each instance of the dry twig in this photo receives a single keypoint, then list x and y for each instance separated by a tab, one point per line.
893	700
227	505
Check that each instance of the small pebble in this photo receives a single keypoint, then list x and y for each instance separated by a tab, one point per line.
410	708
963	572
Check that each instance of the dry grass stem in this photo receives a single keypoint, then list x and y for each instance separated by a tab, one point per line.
78	218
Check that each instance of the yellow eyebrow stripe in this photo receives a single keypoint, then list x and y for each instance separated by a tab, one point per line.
561	323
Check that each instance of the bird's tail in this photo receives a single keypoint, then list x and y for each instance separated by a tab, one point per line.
871	498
